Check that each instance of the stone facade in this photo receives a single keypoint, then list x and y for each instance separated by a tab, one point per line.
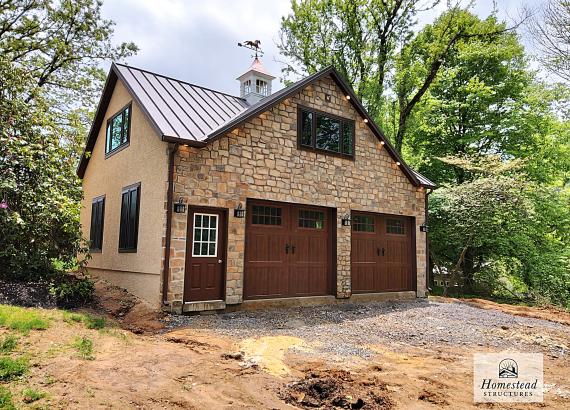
261	160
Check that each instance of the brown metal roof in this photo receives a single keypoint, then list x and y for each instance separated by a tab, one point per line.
189	114
177	108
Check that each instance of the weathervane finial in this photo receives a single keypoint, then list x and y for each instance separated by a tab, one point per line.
254	45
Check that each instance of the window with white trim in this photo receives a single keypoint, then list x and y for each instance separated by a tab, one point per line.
205	235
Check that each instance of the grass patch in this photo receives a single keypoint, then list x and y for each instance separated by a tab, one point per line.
95	322
8	344
90	321
20	319
12	368
6	402
31	395
84	347
71	318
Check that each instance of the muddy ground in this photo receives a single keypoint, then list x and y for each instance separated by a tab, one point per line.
408	355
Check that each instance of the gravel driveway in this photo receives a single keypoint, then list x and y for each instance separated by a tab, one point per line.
347	329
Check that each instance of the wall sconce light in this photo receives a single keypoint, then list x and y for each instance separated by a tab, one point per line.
239	212
382	142
346	220
180	206
398	163
348	97
424	227
328	98
366	120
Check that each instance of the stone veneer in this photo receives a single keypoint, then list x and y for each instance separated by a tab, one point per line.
260	160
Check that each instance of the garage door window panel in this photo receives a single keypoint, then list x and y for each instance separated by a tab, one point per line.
363	223
311	219
266	215
395	227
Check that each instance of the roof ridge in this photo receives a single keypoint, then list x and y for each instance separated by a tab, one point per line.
180	81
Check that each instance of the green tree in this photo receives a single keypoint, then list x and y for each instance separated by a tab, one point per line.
372	44
40	193
477	106
498	230
61	45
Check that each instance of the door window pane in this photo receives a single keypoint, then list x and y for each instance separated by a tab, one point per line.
395	226
363	223
265	215
311	219
205	235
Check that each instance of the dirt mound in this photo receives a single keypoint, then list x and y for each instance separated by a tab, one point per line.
131	312
337	389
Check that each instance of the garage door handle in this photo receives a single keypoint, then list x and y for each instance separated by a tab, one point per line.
382	251
293	249
378	251
287	248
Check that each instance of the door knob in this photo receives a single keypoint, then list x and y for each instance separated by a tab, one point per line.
219	261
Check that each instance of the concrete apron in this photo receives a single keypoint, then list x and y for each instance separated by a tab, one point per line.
264	304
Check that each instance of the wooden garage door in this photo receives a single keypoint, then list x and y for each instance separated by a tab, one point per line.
382	255
287	251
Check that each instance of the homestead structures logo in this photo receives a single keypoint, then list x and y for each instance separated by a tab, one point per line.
508	368
508	377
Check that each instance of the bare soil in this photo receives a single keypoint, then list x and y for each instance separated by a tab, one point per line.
299	360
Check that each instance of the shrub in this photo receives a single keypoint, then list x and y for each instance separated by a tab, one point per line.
12	368
71	291
23	320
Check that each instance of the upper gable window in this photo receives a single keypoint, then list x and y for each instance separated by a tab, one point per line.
325	132
118	130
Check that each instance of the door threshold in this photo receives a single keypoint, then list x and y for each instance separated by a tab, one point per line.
203	305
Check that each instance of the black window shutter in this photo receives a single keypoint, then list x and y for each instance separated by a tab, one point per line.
97	222
128	231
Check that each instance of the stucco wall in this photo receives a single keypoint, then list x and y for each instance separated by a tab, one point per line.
145	161
261	160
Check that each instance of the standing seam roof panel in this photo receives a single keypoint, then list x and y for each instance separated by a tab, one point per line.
213	109
146	100
199	127
216	105
169	111
195	104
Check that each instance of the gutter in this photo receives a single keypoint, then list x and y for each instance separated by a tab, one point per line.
428	281
172	149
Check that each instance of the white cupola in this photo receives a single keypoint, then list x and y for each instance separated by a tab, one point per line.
255	83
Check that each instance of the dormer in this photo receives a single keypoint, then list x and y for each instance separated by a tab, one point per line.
255	83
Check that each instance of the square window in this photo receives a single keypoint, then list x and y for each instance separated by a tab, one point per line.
265	215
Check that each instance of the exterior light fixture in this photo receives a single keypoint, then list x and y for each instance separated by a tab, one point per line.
424	227
398	163
180	206
382	142
366	120
348	97
346	220
239	212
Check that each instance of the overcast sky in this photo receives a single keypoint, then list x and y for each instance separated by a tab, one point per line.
196	40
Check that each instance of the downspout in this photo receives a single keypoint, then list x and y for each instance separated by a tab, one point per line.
172	149
428	272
